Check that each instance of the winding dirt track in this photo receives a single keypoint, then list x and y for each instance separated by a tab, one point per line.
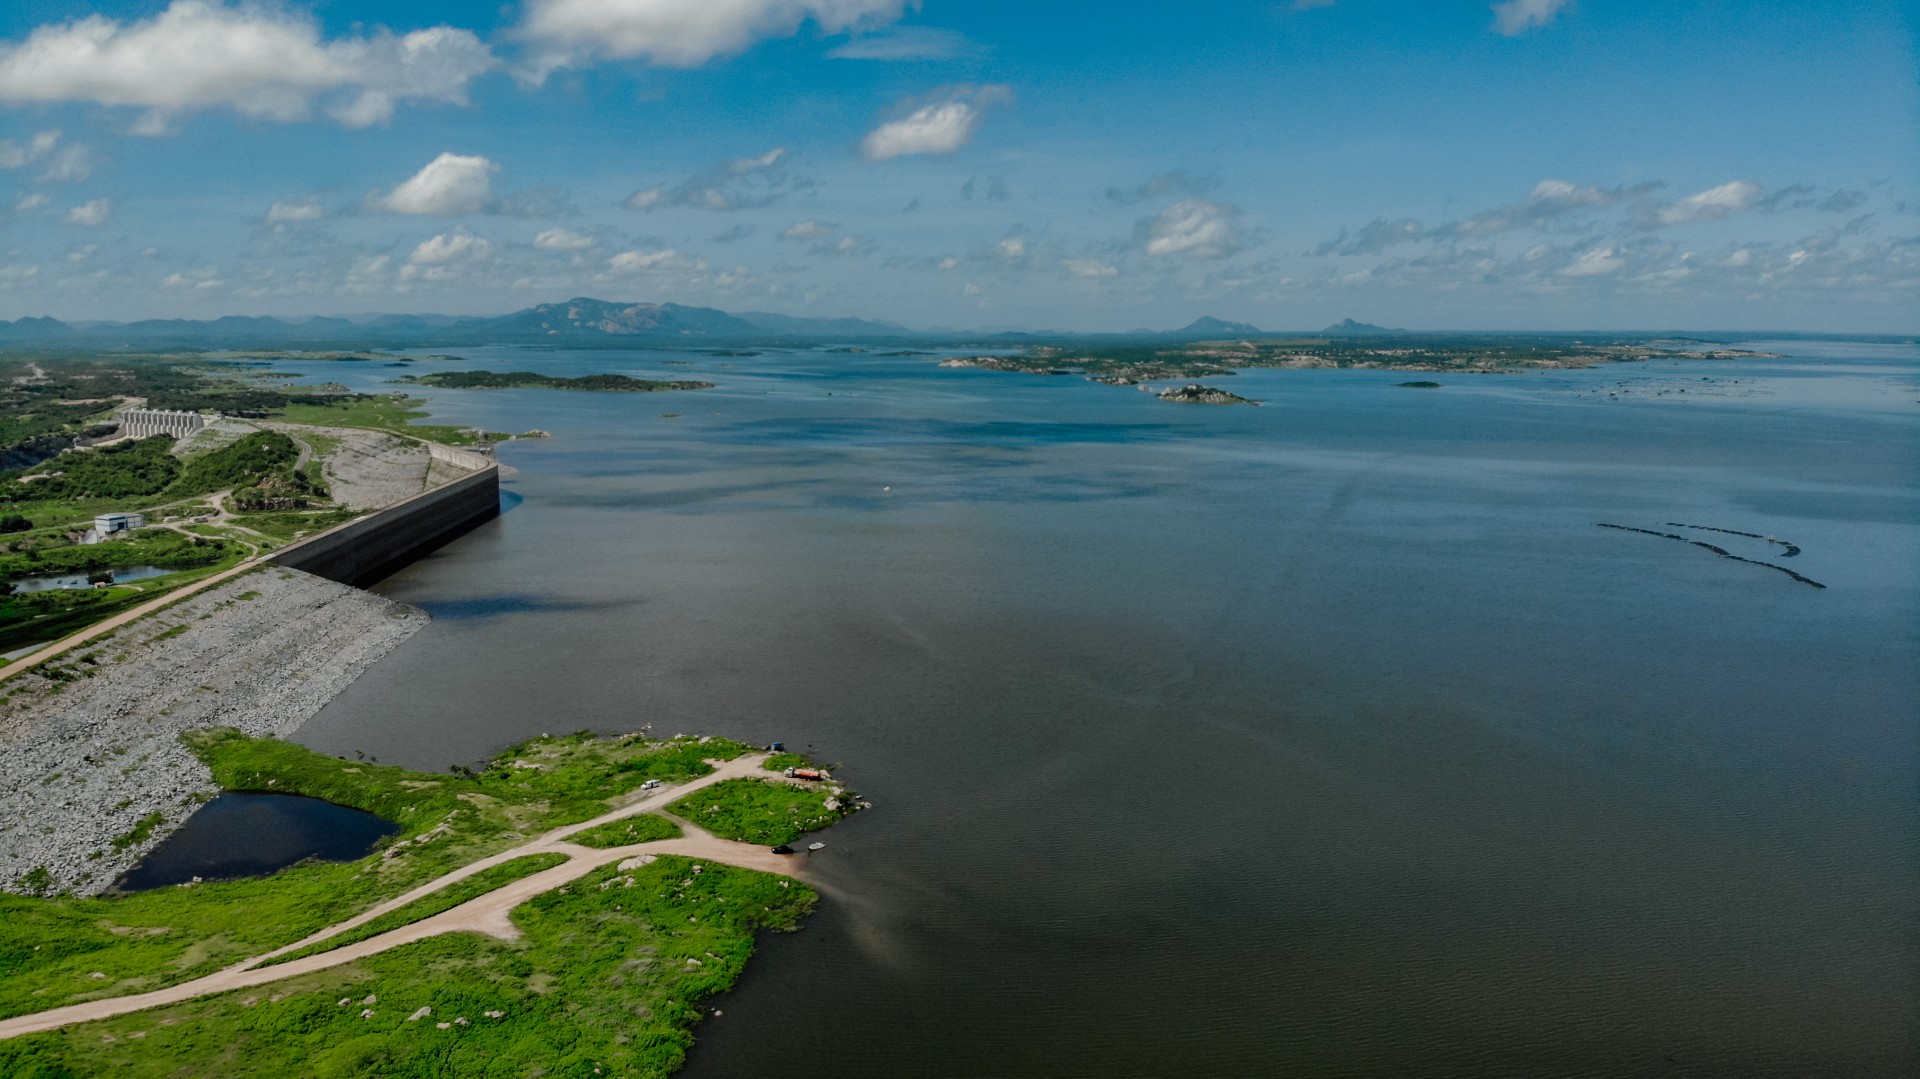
488	914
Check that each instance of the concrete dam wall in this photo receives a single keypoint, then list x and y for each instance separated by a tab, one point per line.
369	548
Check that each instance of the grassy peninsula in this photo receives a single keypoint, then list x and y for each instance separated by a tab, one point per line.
513	380
606	977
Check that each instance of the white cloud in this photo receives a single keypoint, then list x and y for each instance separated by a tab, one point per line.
562	240
293	213
448	248
14	155
948	263
971	289
640	261
1711	204
259	61
69	162
90	214
1089	268
201	279
1598	262
31	202
906	43
738	184
1012	246
450	185
1196	229
940	123
806	230
680	33
1516	17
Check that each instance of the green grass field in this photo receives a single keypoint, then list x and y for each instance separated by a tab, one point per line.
380	413
644	828
758	810
607	980
608	975
445	899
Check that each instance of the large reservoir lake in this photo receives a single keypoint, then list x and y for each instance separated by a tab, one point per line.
1327	737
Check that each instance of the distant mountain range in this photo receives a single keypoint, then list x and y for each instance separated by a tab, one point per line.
576	321
582	322
1346	327
1208	326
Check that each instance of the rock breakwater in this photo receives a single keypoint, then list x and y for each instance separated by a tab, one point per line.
92	772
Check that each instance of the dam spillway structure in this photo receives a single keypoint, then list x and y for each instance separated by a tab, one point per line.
147	422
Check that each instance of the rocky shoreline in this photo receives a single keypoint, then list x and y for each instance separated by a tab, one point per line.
92	772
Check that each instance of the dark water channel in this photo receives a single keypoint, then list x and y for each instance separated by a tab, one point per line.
252	834
121	575
1330	737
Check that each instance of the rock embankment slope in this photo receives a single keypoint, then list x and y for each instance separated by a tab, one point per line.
89	742
366	470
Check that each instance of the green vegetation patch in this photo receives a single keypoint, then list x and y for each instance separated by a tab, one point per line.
608	979
395	413
122	470
31	617
505	380
644	828
761	811
489	879
51	948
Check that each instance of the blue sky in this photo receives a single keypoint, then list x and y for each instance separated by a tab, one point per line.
1570	164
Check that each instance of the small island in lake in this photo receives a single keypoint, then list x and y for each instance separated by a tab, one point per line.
515	380
1197	394
1421	384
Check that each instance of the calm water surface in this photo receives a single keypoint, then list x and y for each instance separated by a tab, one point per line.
1327	737
245	834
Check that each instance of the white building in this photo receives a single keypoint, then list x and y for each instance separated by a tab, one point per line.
147	422
108	523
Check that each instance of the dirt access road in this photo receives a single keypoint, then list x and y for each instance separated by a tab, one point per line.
488	914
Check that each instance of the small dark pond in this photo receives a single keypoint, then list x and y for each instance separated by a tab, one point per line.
248	835
121	575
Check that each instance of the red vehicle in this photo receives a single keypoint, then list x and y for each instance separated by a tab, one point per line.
806	773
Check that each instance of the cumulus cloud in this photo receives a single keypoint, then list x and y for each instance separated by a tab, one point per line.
34	201
294	213
70	161
806	230
1597	262
262	62
645	198
1012	247
1516	17
940	123
89	214
1709	205
641	261
1089	268
1194	229
680	33
450	185
563	240
448	248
